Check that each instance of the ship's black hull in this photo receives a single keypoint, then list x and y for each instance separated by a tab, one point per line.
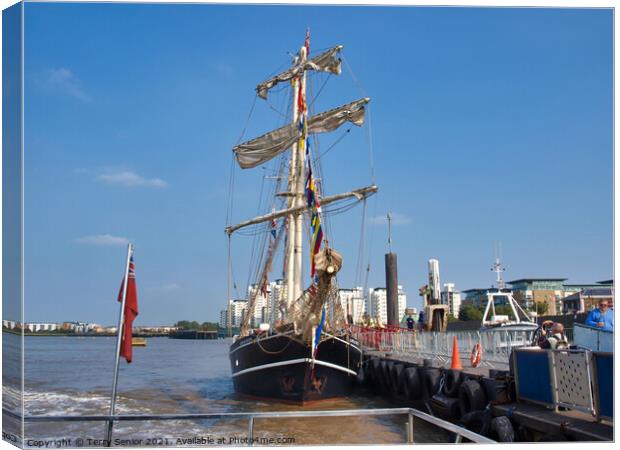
281	367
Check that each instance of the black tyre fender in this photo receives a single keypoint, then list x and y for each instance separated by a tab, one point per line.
452	382
361	378
411	384
472	396
477	421
503	428
524	434
494	389
381	378
367	366
431	378
397	370
495	373
375	372
445	407
386	370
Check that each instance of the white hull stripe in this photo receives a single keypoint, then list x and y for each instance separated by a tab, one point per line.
295	361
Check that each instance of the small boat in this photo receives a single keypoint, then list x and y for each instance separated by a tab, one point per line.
138	342
515	329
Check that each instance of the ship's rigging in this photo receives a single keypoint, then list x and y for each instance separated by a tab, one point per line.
284	223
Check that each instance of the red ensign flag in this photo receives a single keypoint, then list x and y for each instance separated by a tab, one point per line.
130	313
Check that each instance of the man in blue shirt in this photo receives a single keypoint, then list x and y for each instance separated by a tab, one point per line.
601	317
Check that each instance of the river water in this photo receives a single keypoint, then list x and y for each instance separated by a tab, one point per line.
73	376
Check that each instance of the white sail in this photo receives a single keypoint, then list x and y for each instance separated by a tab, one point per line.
325	62
262	149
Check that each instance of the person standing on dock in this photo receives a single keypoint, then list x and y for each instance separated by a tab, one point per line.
410	322
365	319
421	319
379	322
601	317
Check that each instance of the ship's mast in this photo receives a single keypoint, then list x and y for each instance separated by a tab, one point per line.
498	268
292	202
294	250
299	187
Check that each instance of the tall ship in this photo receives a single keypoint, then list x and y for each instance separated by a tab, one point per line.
302	349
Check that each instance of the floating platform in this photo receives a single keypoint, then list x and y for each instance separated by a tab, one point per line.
572	425
138	342
193	334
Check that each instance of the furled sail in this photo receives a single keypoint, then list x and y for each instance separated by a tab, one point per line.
325	62
257	151
359	194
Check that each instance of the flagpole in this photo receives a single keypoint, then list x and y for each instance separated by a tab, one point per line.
121	320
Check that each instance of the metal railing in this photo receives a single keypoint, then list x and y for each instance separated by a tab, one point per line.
593	338
577	379
412	414
496	345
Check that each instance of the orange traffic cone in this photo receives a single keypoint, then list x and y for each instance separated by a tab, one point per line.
456	356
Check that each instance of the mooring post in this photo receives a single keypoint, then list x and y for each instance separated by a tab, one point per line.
251	431
410	428
391	281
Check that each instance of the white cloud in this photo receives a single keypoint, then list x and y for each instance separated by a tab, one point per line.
102	240
397	219
64	81
131	179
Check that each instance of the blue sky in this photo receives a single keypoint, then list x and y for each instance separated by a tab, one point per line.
487	125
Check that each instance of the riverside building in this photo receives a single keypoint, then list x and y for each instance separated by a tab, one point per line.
376	303
262	304
353	303
549	296
534	291
451	297
235	313
277	296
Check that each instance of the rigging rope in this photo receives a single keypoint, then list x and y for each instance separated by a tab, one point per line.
245	127
370	161
347	131
360	249
230	200
272	352
370	241
369	128
314	99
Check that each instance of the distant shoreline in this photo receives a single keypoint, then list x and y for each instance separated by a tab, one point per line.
47	334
